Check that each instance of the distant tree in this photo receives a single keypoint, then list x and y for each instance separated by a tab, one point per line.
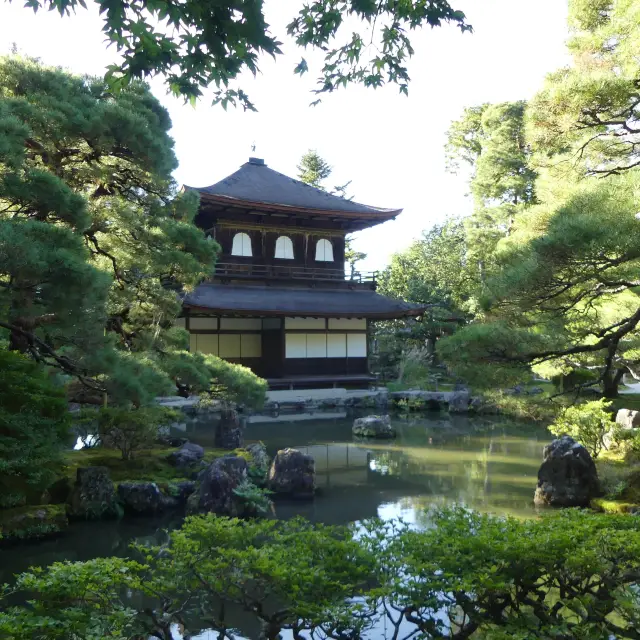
351	256
313	169
196	45
490	139
433	272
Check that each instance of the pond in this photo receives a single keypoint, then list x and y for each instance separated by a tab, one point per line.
488	464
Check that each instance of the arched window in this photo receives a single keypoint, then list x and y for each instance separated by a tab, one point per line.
324	251
241	245
284	248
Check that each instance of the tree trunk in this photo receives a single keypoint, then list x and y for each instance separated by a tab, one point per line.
270	631
611	381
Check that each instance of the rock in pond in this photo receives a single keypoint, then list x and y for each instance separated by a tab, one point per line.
373	427
188	455
230	431
217	483
143	498
293	473
628	419
567	476
259	463
452	401
93	495
32	523
459	402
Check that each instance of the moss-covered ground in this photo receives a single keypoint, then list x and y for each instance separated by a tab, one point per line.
148	465
32	522
627	401
620	479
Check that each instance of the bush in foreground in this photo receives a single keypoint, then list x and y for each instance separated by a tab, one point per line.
587	423
569	575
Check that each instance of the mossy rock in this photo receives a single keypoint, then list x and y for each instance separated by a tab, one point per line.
32	522
603	505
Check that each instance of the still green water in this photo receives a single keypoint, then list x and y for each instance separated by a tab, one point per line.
486	464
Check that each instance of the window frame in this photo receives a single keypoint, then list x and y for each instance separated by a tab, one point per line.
242	236
324	242
286	244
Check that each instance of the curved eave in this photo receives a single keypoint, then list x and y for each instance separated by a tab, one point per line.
396	315
380	215
281	302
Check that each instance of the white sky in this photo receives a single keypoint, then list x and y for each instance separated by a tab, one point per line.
390	146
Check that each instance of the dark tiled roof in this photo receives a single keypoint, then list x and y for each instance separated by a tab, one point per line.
286	301
256	183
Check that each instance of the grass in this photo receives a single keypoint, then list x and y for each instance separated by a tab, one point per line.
148	465
603	505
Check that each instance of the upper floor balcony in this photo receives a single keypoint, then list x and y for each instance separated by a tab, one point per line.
295	273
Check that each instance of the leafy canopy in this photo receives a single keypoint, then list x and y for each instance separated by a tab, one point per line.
195	44
587	423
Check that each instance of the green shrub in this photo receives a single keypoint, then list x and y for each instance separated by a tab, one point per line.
130	430
626	442
255	500
568	575
587	423
34	427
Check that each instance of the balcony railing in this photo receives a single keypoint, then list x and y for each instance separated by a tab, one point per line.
293	272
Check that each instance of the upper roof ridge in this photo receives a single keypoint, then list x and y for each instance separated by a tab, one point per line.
255	182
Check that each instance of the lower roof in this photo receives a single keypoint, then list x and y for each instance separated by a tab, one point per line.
286	301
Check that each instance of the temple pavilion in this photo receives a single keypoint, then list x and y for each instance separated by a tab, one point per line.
280	301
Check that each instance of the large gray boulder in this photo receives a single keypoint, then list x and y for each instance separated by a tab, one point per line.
143	498
628	419
93	495
459	402
217	483
567	476
293	473
373	427
230	431
188	455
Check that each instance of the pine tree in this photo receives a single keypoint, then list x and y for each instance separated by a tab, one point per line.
313	169
96	243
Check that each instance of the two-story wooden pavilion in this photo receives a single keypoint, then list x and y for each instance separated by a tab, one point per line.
280	301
